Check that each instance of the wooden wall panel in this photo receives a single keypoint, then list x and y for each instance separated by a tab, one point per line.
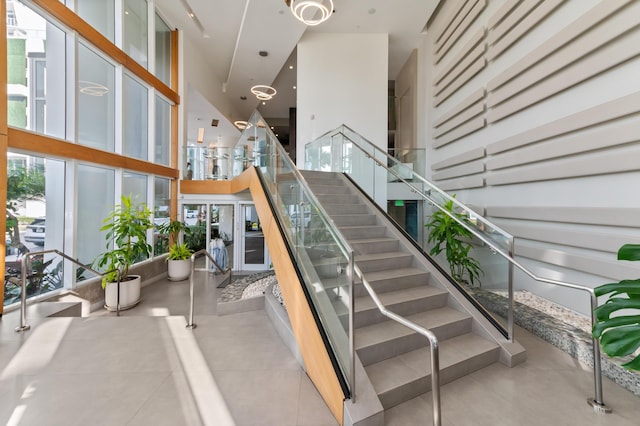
45	145
470	155
316	359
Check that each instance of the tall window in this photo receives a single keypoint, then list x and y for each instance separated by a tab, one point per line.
136	34
163	132
163	51
96	100
134	185
35	71
135	119
95	201
161	211
100	14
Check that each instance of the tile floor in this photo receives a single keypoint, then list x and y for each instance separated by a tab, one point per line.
146	368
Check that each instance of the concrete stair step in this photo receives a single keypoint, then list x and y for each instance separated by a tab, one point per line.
403	302
338	198
352	208
359	232
373	262
389	338
392	280
353	219
406	376
374	245
329	187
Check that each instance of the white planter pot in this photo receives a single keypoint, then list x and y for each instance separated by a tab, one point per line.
178	270
129	294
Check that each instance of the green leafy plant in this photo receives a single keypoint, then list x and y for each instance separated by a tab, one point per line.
620	335
179	252
126	238
448	235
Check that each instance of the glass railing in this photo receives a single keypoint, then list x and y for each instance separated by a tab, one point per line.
322	257
471	258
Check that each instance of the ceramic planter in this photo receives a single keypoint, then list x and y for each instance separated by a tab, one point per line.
129	294
178	270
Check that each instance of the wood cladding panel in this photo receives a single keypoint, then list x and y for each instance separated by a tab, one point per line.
599	13
625	105
593	164
537	15
465	157
606	216
316	359
45	145
477	6
592	264
598	138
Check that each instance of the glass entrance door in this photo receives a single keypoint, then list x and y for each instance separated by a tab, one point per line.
253	252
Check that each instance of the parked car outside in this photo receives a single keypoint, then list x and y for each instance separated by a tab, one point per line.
35	232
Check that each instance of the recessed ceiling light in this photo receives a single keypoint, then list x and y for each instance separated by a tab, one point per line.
243	98
290	67
264	103
295	87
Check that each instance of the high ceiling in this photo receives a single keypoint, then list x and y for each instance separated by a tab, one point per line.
234	32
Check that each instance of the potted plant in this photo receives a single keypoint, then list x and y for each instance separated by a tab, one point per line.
620	335
126	238
178	261
449	235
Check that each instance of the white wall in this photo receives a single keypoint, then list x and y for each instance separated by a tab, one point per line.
550	147
342	79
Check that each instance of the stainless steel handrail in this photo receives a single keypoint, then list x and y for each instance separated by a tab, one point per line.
190	324
598	401
433	345
23	283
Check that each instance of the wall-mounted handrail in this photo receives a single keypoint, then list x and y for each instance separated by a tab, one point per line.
195	255
23	282
598	401
433	345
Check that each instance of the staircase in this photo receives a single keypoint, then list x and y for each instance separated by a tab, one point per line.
395	358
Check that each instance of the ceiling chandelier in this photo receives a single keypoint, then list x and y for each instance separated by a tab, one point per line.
307	10
262	92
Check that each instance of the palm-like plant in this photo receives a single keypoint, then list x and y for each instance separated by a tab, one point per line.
450	236
126	237
620	335
173	228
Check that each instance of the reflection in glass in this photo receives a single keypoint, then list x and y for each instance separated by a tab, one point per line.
135	119
163	132
96	101
35	222
95	202
100	14
136	43
161	213
221	244
163	51
35	72
134	185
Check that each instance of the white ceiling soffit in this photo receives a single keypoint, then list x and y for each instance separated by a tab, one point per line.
267	26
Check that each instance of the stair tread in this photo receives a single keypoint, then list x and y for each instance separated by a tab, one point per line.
393	273
386	330
398	296
415	365
380	256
